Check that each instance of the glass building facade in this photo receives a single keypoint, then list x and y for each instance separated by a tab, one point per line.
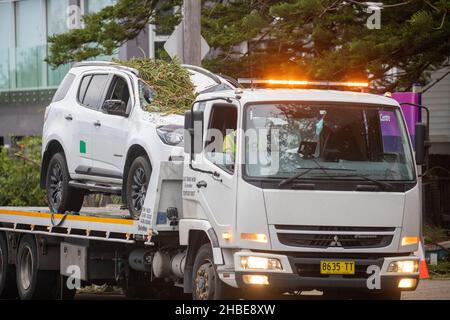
27	82
25	26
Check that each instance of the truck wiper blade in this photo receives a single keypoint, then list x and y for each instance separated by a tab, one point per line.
383	184
307	170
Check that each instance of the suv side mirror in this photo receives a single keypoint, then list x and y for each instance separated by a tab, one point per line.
115	107
422	143
193	132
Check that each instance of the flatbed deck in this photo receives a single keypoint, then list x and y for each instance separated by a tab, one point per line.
106	223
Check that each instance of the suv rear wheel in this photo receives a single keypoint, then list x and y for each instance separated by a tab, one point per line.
137	184
61	197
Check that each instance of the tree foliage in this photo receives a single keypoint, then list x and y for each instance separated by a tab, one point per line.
174	91
108	29
329	40
19	174
313	39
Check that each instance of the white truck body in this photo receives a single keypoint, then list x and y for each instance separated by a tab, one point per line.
193	202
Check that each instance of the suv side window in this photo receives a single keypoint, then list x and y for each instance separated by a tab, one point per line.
83	86
63	87
91	90
220	145
118	90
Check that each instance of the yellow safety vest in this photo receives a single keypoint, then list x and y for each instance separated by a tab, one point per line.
229	143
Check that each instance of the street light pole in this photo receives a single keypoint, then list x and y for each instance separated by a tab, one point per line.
191	32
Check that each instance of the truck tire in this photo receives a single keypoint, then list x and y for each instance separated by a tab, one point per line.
60	196
137	184
206	284
33	283
8	288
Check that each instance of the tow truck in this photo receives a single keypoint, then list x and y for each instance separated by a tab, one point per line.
321	191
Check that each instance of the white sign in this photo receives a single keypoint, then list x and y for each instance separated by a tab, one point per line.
174	45
73	17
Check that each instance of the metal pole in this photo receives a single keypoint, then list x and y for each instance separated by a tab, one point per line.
191	31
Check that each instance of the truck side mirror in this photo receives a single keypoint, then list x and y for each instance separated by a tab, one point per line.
193	132
422	143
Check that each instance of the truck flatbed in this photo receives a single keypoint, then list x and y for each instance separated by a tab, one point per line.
106	224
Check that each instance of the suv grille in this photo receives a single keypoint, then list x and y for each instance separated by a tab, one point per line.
339	237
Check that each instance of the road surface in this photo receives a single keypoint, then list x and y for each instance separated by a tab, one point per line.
430	290
427	290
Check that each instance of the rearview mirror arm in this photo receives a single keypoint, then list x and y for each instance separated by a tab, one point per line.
427	142
422	108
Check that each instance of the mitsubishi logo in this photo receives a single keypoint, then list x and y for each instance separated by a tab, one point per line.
335	242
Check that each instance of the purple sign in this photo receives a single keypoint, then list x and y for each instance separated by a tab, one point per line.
389	125
411	113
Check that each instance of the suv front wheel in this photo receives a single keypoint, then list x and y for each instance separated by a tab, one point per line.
137	184
60	196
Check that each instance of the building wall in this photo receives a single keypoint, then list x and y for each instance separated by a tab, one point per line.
28	122
22	113
437	98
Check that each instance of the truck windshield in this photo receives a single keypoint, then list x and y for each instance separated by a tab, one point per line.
285	139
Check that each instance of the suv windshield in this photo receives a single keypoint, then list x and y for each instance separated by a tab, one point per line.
146	95
285	139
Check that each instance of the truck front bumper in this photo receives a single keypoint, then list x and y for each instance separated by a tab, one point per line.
302	272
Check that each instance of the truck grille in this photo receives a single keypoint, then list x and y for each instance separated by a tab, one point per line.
335	236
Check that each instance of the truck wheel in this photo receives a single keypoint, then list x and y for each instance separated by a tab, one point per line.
61	197
137	183
8	289
32	283
206	284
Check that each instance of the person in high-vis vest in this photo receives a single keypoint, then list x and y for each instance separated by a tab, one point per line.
229	145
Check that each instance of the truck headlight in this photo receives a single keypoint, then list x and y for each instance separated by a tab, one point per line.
407	283
171	134
255	279
260	263
405	266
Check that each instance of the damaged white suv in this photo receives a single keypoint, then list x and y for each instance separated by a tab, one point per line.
98	138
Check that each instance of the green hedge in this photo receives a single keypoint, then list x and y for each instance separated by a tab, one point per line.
19	174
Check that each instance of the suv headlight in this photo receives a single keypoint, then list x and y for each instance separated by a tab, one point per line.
171	134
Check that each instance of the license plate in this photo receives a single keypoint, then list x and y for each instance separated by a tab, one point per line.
337	267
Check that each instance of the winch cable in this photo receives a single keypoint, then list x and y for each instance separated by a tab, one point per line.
52	219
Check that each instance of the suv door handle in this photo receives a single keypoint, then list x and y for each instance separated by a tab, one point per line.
97	124
202	184
68	117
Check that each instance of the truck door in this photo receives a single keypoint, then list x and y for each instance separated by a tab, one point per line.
215	196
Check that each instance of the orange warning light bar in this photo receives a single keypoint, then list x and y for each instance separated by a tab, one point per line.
303	82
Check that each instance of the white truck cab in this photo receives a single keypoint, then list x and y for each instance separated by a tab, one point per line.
320	192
